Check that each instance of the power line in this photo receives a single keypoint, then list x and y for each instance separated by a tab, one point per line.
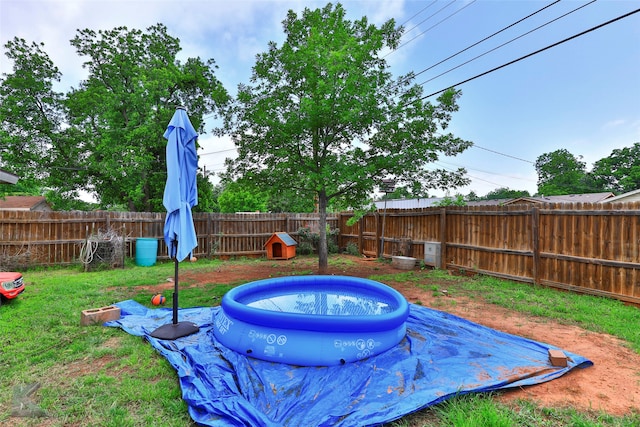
488	37
433	26
217	152
506	43
418	13
534	53
487	172
430	16
471	176
502	154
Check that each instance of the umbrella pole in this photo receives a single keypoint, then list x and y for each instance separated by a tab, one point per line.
174	330
175	290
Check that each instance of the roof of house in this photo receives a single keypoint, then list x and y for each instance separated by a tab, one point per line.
7	177
24	203
434	201
566	198
628	196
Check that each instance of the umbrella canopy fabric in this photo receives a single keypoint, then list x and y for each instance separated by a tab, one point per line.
180	192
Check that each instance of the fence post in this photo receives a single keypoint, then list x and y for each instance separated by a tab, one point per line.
361	234
377	217
443	238
535	243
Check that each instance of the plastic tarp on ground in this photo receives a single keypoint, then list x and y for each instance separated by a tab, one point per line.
442	355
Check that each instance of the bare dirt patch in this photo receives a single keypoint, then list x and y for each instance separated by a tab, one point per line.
611	385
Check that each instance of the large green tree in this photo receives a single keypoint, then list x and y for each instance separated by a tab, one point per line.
106	135
505	193
122	109
323	115
560	172
620	172
242	197
31	112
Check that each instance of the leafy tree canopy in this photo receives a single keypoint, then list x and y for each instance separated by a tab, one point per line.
323	115
620	172
560	172
106	135
506	193
242	197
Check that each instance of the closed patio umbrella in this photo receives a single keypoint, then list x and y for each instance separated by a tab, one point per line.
180	195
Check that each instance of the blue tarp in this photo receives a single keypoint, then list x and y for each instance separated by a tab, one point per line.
441	356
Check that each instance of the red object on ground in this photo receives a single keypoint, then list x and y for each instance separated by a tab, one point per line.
11	285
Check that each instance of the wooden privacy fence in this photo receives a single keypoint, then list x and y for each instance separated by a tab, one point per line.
590	248
57	238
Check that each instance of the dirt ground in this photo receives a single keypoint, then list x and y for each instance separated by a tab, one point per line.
611	385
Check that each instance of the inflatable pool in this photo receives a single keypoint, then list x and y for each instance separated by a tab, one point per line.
311	320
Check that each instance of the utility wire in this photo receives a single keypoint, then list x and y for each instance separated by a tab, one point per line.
217	152
506	43
471	176
433	26
487	172
502	154
611	21
431	16
488	37
418	13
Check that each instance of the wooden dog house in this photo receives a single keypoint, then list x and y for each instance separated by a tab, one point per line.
280	246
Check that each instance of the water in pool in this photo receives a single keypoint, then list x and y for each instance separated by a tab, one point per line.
322	303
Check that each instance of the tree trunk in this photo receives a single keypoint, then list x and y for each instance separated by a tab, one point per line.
323	253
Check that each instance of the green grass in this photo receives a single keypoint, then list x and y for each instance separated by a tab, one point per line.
103	377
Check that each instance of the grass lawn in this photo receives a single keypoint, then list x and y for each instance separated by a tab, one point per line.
98	376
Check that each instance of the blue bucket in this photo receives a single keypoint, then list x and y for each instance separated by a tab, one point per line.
146	251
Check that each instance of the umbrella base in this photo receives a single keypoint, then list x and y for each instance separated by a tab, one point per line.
172	331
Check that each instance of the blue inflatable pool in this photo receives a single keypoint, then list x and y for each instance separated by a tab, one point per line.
311	320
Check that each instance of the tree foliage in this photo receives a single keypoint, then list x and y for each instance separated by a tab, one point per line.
506	193
560	172
106	135
242	197
323	115
620	172
31	112
135	83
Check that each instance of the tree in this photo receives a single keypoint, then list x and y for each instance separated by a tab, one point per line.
106	135
121	111
620	172
560	172
457	200
506	193
323	115
242	197
31	113
288	200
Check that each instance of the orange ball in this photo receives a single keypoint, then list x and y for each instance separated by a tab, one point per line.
158	299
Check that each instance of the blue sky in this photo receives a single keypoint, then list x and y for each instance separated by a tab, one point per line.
583	95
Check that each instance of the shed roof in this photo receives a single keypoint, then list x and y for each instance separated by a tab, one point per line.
24	203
